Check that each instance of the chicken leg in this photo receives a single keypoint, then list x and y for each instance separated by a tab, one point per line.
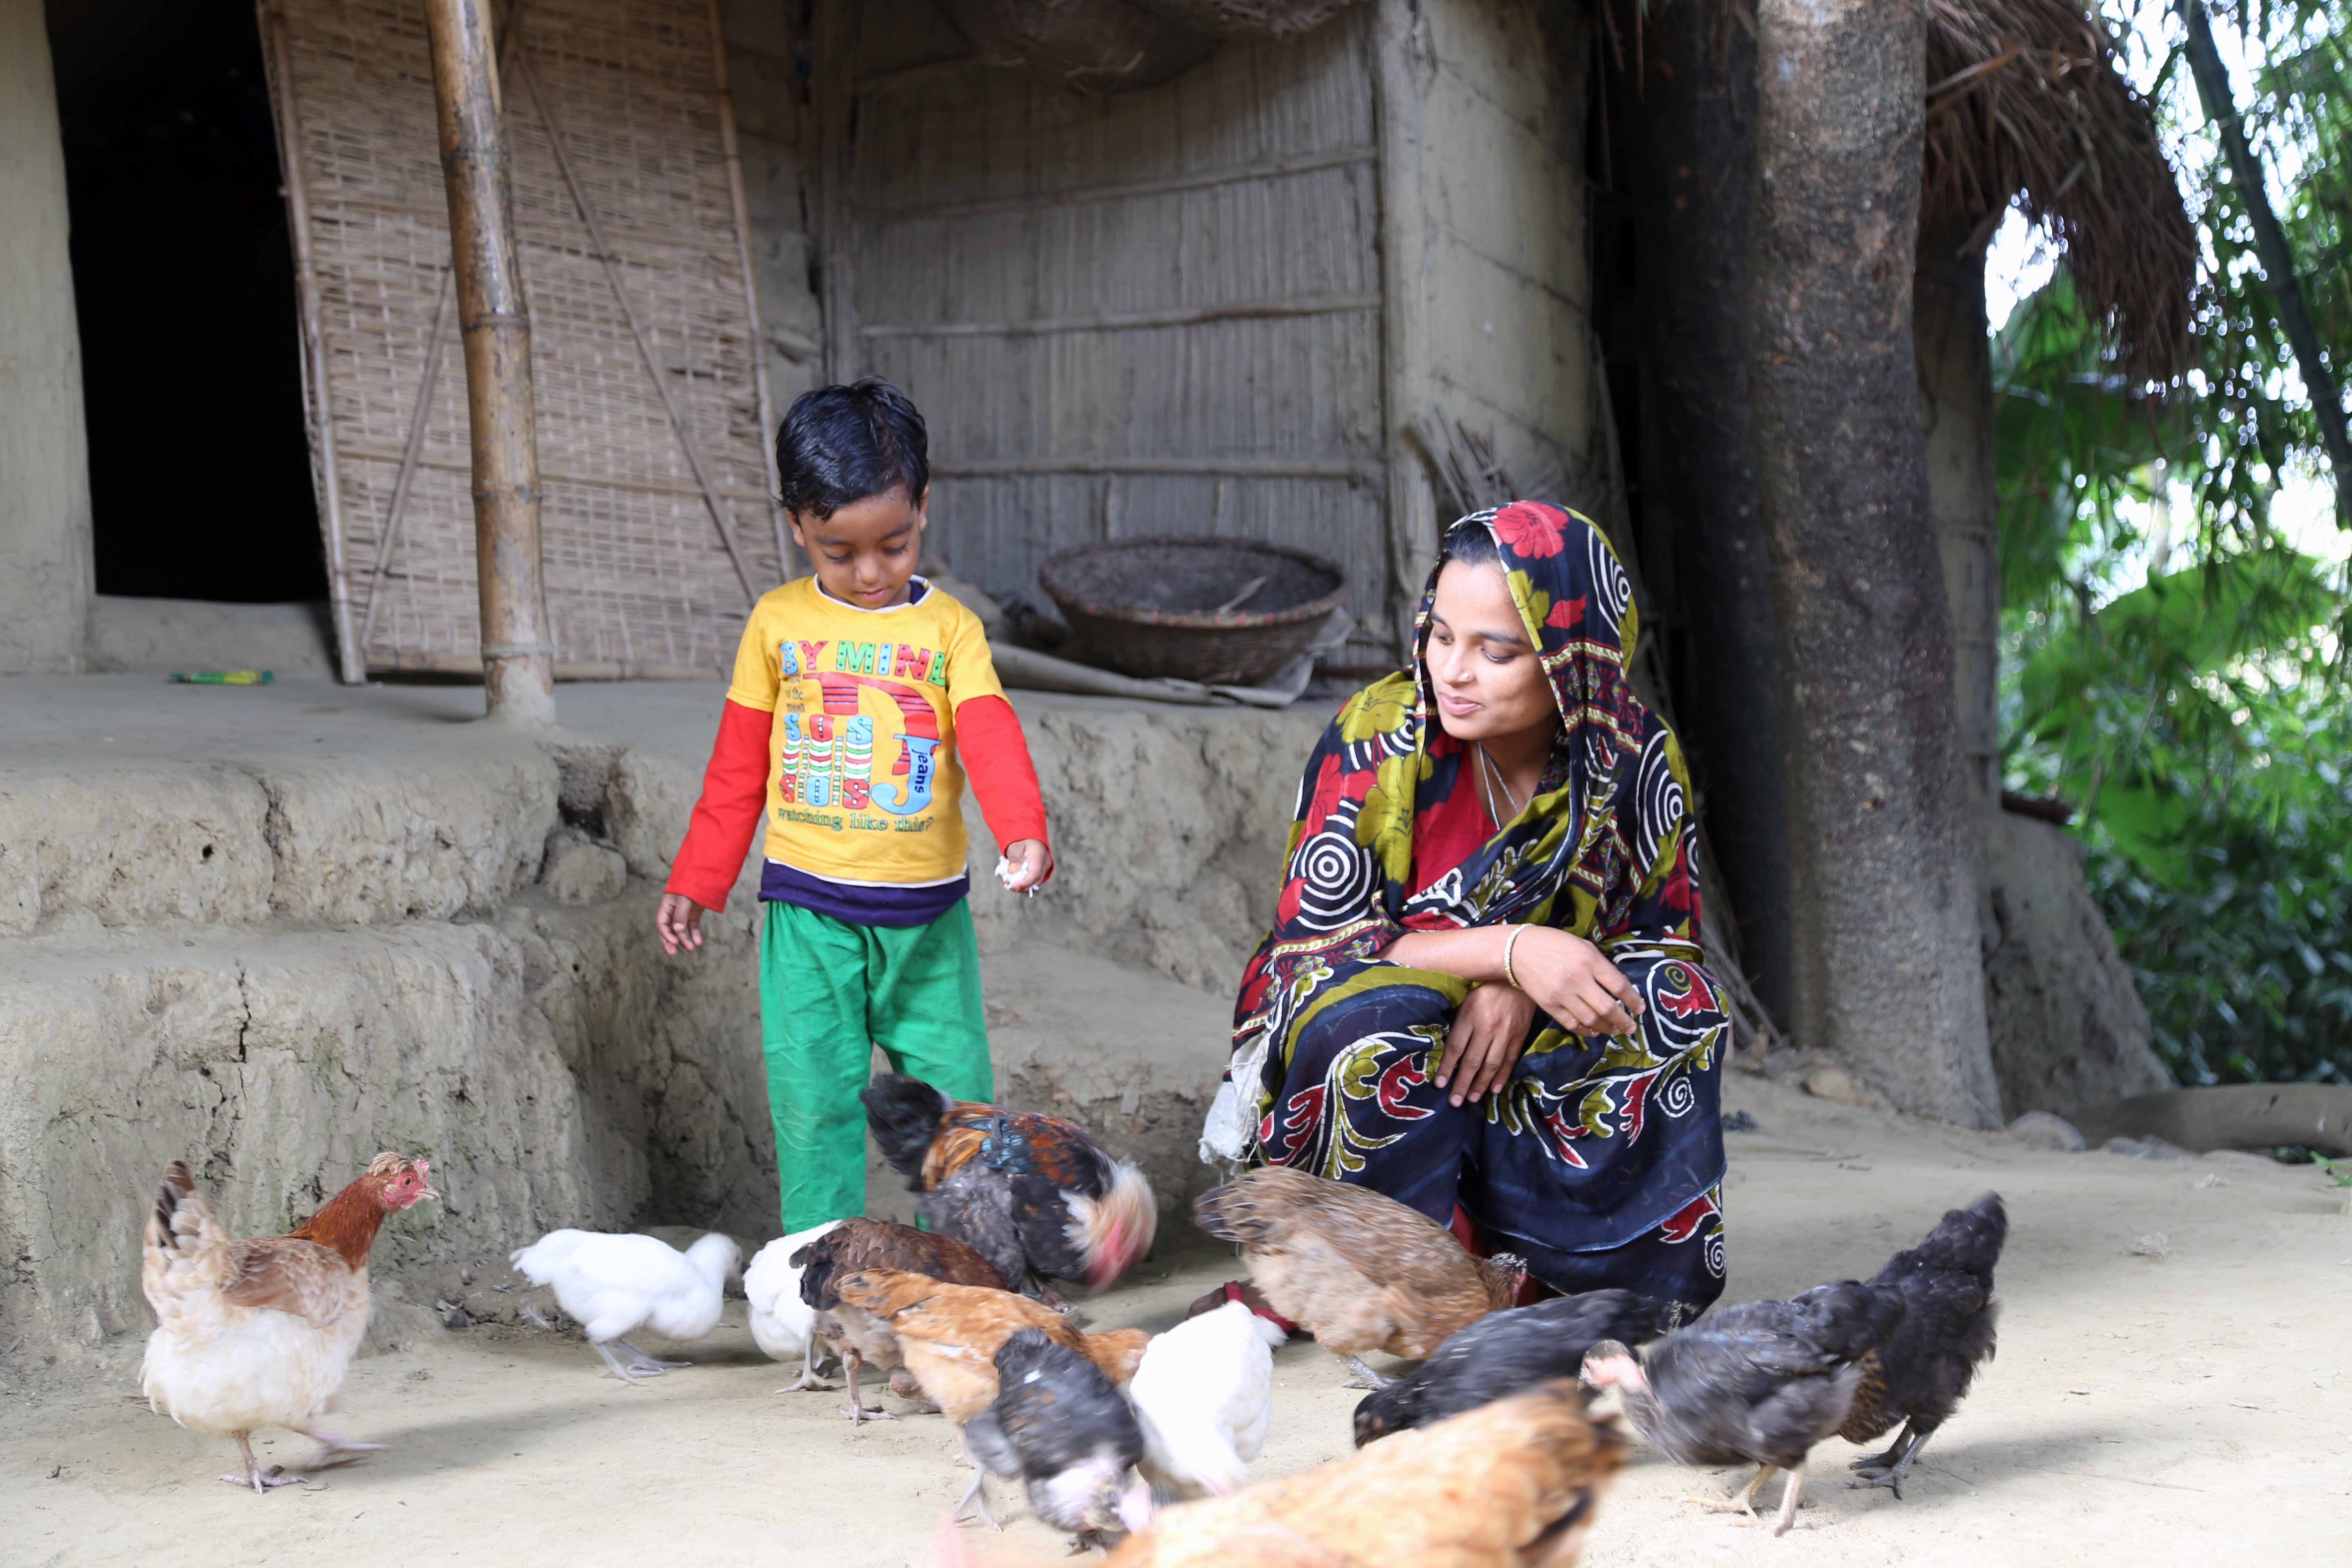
334	1450
1887	1470
260	1480
645	1363
1788	1500
808	1378
1741	1502
1365	1376
858	1410
614	1365
976	1491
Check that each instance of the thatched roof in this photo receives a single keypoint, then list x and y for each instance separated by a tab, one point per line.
2026	99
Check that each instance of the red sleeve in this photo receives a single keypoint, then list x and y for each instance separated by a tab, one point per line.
989	741
734	796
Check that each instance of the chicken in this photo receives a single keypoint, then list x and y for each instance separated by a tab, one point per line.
254	1334
1504	1352
1203	1396
856	1336
1919	1376
1059	1425
949	1335
1758	1383
1357	1270
783	1325
1513	1484
1035	1194
615	1285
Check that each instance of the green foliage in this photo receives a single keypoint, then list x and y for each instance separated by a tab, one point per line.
2174	671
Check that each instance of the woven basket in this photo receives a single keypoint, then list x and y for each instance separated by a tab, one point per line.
1150	607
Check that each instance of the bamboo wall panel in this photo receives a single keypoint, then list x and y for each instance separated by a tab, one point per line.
1157	312
639	580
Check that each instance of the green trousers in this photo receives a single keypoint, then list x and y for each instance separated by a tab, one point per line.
829	992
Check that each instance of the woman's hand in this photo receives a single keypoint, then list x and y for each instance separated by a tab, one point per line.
1027	864
679	923
1490	1029
1570	980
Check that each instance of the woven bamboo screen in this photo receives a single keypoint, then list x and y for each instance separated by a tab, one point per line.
620	96
1152	313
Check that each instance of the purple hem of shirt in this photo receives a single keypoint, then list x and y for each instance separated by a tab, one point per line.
891	905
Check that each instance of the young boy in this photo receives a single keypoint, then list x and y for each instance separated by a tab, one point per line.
861	696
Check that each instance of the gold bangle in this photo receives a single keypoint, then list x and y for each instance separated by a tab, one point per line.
1509	944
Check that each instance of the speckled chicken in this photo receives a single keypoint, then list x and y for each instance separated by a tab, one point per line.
1357	1270
1918	1377
1059	1426
1504	1352
1034	1195
1515	1484
1757	1383
852	1333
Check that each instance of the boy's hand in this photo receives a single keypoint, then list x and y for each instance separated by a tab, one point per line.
678	922
1028	864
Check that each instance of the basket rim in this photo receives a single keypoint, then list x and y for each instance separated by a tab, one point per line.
1197	620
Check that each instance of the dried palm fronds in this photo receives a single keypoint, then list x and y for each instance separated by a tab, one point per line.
2026	99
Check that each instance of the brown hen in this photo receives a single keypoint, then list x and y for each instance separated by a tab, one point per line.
854	1336
948	1334
1513	1484
1357	1270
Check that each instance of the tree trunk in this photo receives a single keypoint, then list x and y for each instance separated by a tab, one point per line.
518	660
1953	341
1696	110
1889	972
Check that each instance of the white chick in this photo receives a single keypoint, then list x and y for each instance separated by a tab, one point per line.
781	1322
615	1284
1203	1396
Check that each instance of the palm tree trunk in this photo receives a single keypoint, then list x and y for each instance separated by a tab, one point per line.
1889	972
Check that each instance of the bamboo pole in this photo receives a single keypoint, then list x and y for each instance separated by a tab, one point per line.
833	49
349	663
518	658
763	397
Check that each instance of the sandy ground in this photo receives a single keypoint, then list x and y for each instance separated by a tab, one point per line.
2170	1389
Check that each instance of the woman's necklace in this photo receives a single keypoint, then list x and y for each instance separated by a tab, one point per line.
1486	788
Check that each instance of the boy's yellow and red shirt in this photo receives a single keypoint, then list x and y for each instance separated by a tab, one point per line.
864	781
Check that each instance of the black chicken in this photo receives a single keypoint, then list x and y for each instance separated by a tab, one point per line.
1758	1383
1034	1195
1504	1352
1919	1376
1059	1425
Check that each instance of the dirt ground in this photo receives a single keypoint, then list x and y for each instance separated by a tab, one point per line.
2170	1388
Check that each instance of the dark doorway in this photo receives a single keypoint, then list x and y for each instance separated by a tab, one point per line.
183	285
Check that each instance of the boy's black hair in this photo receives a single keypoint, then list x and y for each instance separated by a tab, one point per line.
1470	543
839	445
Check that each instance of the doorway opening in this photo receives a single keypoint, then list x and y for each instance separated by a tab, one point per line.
183	287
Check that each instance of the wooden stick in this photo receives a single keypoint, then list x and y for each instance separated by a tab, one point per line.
833	39
349	665
518	656
408	455
761	395
629	314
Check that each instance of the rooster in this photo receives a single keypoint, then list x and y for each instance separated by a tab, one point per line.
259	1332
1059	1425
1758	1383
1502	1353
857	1337
1919	1376
1034	1195
1356	1268
1513	1484
783	1325
1205	1396
615	1285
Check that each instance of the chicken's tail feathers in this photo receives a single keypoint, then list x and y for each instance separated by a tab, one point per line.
904	1114
182	1220
1112	1231
540	1260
